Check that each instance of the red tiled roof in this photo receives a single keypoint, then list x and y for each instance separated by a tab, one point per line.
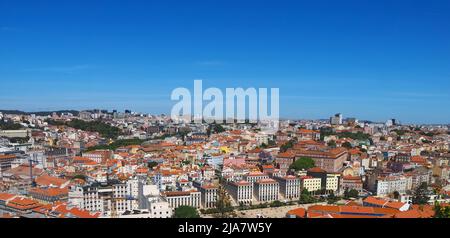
22	203
299	213
46	180
6	196
7	157
316	170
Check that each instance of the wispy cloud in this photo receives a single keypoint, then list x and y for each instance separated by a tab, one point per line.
61	69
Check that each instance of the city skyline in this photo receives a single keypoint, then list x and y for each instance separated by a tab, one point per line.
267	115
375	61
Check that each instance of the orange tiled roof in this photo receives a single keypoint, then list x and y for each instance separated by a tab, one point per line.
23	203
51	192
299	212
7	156
6	196
316	170
46	180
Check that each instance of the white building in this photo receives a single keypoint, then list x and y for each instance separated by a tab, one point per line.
332	183
255	176
289	187
186	198
209	196
266	190
390	184
106	198
241	192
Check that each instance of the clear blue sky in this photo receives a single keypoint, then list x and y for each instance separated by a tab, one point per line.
367	59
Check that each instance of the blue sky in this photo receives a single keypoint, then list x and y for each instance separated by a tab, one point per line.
367	59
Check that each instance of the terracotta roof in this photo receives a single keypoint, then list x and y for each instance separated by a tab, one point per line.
266	181
305	131
242	183
418	160
316	170
384	203
7	157
352	211
6	196
356	178
299	213
287	154
51	192
46	180
22	203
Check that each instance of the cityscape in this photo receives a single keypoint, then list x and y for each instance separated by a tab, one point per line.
100	164
262	114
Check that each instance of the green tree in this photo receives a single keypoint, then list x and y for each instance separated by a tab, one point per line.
351	193
332	199
305	197
287	146
441	212
80	176
223	203
104	129
276	204
396	195
186	212
214	128
347	145
332	144
8	125
303	163
420	195
152	164
116	144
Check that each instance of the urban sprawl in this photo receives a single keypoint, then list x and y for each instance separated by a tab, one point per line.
100	164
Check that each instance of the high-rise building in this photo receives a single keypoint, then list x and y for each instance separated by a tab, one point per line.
336	119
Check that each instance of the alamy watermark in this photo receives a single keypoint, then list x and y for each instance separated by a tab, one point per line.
211	106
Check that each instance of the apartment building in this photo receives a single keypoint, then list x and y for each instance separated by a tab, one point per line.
266	190
241	192
330	160
351	182
311	184
255	176
394	183
289	187
208	195
183	198
105	198
332	183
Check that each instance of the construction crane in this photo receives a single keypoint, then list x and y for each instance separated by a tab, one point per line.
31	161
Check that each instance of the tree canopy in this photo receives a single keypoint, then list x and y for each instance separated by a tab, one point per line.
303	163
223	203
351	193
186	212
104	129
305	197
420	196
116	144
287	146
347	145
8	125
441	212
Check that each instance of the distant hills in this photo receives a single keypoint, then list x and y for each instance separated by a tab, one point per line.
42	113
